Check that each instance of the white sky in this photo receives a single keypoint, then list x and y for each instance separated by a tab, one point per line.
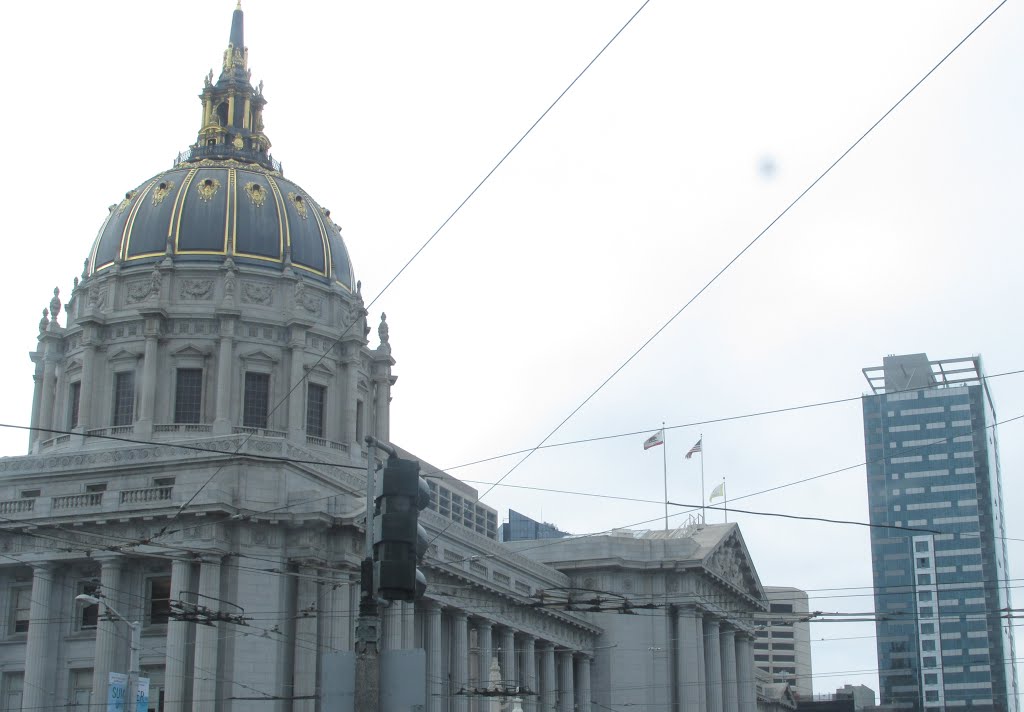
640	185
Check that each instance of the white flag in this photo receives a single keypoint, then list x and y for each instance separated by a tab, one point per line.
718	491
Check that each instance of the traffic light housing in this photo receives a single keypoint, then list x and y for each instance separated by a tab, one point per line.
399	542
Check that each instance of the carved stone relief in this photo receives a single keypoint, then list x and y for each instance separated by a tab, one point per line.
196	288
255	293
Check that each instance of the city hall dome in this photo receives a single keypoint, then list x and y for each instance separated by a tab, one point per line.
225	196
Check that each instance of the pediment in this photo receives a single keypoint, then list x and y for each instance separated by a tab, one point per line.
73	366
259	356
731	561
124	355
320	369
189	351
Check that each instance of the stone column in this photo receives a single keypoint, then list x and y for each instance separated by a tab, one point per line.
107	633
730	696
144	422
341	613
713	664
566	686
509	675
351	395
175	675
225	373
485	652
745	673
49	386
435	681
39	658
37	398
383	397
528	673
204	672
583	683
460	662
392	623
546	699
85	390
408	625
307	644
700	645
691	649
297	390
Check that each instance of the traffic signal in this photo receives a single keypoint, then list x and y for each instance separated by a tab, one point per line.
399	542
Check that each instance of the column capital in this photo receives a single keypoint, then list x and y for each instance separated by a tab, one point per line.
545	645
458	613
109	559
42	567
482	622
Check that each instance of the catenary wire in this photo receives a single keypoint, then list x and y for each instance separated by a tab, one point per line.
422	247
743	251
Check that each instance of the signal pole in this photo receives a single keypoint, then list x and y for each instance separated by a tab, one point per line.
368	626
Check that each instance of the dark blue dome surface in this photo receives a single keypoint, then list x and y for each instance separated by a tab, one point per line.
211	209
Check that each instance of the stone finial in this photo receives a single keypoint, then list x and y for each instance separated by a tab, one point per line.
74	285
85	269
44	322
382	330
55	303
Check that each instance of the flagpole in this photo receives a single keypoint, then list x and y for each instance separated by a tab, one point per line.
725	507
664	465
703	492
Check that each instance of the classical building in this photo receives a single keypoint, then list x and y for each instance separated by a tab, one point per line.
200	407
783	645
941	584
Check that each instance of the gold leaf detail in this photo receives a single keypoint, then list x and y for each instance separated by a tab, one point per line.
257	193
300	205
208	188
162	189
127	200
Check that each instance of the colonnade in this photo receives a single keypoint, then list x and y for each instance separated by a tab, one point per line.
460	645
715	664
460	649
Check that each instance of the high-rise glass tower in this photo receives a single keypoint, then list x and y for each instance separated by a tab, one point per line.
942	598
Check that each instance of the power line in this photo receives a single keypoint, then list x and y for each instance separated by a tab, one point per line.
422	247
740	254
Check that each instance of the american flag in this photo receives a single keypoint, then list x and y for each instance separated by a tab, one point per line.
695	449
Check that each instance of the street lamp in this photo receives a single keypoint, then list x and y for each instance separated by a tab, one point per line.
136	645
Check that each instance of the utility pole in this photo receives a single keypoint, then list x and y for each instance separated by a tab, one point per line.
367	696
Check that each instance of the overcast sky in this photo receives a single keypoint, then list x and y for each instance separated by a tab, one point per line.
684	140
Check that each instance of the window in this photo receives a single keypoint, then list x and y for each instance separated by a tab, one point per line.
924	579
931	678
21	602
315	397
924	595
359	421
30	494
88	615
923	562
81	687
783	658
928	645
163	482
931	695
920	546
96	487
124	398
929	662
74	398
158	600
927	628
781	607
188	396
256	402
14	684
